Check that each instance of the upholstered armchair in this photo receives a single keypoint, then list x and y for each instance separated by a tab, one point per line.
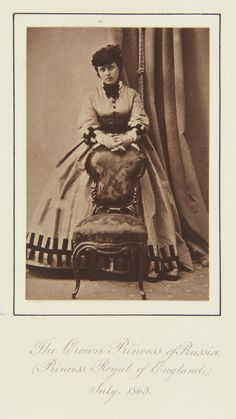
114	228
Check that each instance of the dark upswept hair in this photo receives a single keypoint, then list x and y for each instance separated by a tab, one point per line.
107	55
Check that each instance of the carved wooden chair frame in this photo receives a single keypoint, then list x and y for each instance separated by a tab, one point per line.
138	250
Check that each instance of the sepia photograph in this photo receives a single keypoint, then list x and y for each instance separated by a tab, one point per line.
117	177
117	167
89	136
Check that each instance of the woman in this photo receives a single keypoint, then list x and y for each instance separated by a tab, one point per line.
112	115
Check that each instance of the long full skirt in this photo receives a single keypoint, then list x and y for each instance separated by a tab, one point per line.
67	200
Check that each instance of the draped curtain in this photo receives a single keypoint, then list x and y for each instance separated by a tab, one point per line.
168	88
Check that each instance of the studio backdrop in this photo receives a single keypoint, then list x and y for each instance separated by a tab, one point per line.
170	68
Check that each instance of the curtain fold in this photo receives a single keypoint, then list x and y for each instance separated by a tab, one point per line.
149	93
115	37
165	105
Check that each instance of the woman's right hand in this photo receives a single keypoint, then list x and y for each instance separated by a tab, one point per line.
107	140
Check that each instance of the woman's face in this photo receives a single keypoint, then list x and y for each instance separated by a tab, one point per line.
109	74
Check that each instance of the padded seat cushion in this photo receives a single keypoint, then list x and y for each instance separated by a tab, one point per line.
110	228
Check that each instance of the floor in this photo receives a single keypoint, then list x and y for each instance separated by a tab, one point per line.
190	286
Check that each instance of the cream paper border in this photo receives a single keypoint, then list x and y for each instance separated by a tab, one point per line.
24	397
113	307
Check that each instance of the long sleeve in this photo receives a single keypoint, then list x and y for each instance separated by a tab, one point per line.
138	118
88	120
102	115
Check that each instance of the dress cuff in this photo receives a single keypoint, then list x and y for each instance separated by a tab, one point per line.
139	128
90	136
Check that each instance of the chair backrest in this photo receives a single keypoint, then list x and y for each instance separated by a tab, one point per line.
115	175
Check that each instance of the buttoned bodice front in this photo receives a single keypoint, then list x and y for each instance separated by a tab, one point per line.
112	115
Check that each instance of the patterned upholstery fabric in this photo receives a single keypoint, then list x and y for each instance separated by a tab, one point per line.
110	228
115	175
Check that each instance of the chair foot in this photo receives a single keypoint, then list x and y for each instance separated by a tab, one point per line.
143	294
73	295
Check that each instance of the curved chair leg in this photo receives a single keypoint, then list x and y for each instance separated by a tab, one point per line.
77	285
142	292
141	272
75	259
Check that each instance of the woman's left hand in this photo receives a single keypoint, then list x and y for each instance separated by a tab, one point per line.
124	140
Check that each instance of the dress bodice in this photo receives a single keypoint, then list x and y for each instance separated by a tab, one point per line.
112	115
